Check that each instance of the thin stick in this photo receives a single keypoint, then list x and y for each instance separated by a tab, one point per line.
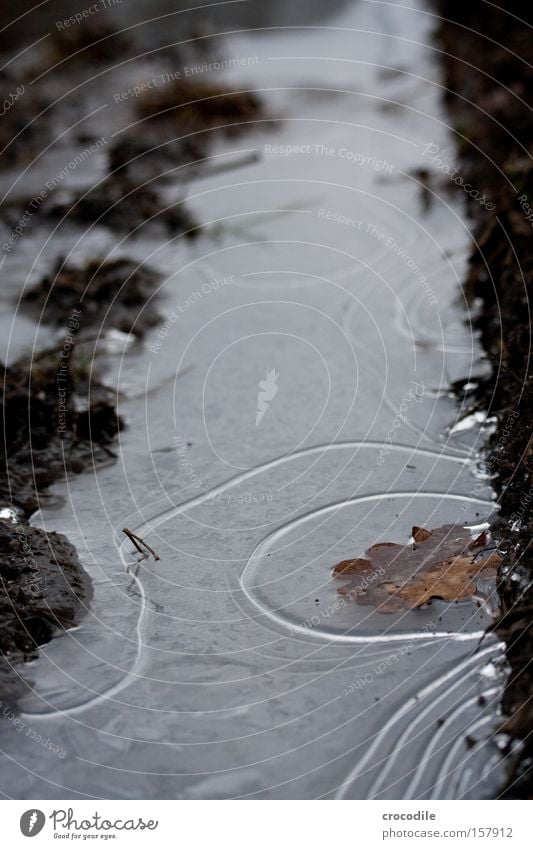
136	540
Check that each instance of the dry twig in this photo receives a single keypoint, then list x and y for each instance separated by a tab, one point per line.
138	542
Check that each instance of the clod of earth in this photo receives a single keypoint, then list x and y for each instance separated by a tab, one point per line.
43	587
200	106
21	136
117	293
40	441
43	590
121	204
146	158
93	40
443	563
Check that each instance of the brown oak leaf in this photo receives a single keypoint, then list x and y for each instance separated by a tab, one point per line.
443	563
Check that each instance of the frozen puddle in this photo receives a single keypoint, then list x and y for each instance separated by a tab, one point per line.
292	409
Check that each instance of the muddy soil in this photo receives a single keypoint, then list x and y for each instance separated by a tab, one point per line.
19	107
55	422
131	196
43	590
496	142
124	206
199	106
104	294
152	157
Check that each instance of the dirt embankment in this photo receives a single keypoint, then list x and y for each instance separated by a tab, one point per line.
44	589
55	421
488	63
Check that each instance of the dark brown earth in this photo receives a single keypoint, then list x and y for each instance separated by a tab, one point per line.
55	420
124	206
197	105
151	156
115	293
43	590
488	64
96	41
43	587
22	133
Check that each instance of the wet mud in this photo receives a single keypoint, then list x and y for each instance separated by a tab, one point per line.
487	61
55	421
44	591
115	293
